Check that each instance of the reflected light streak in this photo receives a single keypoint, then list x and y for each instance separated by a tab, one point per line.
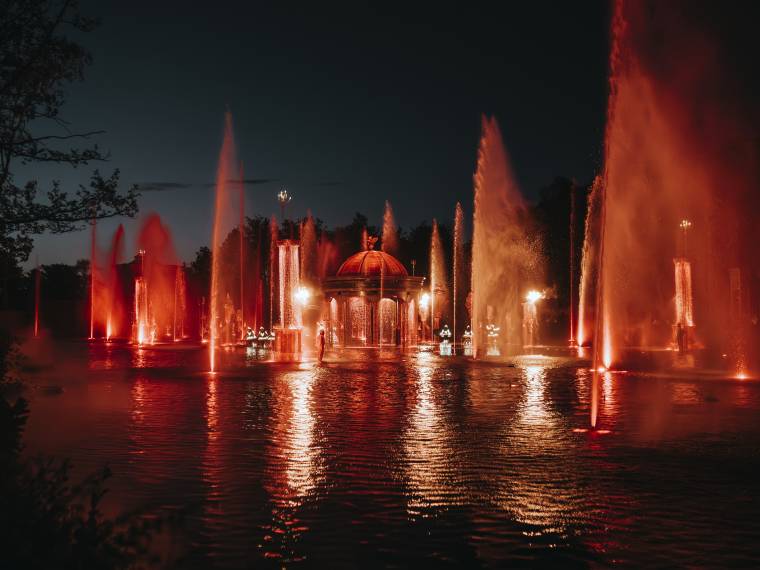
429	460
533	411
300	454
523	489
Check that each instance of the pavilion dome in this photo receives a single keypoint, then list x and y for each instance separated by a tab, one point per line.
372	263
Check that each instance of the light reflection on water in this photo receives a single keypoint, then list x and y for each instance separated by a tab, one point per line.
408	462
429	462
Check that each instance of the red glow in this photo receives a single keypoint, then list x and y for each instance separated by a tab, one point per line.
107	304
37	301
224	219
159	285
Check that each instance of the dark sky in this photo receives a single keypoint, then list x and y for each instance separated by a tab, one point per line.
345	105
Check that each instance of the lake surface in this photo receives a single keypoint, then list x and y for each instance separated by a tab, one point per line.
379	460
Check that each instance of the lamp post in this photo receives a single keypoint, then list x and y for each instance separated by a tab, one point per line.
684	225
283	198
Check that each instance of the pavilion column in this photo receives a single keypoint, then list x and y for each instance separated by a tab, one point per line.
343	320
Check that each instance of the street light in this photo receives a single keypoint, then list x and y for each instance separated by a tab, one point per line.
302	296
684	225
283	198
534	296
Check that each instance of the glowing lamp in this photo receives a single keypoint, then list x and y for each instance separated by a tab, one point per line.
302	295
424	301
533	296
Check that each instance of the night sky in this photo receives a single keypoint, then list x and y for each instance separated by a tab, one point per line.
344	105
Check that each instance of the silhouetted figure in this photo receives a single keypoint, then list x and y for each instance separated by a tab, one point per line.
680	338
321	344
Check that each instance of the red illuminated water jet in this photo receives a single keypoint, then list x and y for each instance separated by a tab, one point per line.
159	286
438	286
107	303
589	264
458	263
226	217
504	256
389	237
677	149
37	300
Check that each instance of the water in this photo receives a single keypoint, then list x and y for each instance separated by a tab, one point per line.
226	215
438	286
589	264
457	263
413	461
389	239
673	158
505	259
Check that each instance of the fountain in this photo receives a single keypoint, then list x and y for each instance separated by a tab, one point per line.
274	237
390	243
159	286
308	251
503	257
226	216
530	318
287	343
571	236
107	304
37	299
438	287
676	148
457	262
93	272
589	263
141	324
241	250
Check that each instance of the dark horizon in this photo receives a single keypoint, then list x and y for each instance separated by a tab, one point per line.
345	107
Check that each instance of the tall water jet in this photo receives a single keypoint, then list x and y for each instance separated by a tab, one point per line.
678	147
309	279
37	299
309	250
224	219
503	256
457	261
180	303
141	322
327	257
93	272
107	311
241	249
115	310
157	297
589	265
288	333
389	238
438	285
274	236
572	265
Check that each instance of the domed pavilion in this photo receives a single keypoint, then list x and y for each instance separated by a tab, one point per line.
371	301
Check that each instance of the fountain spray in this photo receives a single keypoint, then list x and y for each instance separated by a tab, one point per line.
457	263
223	210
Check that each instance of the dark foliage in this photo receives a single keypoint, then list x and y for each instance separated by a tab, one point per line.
37	62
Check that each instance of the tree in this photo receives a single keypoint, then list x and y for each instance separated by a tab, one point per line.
37	62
